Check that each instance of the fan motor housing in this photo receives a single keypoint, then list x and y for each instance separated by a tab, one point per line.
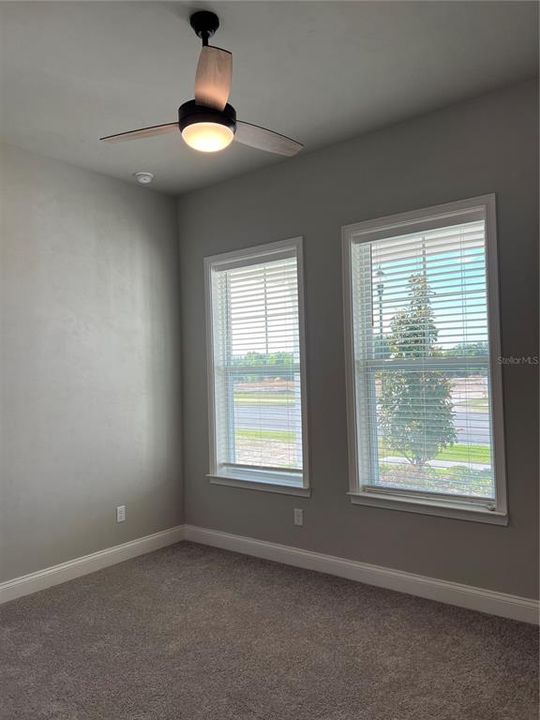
190	113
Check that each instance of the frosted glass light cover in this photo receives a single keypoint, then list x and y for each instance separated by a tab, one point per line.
207	136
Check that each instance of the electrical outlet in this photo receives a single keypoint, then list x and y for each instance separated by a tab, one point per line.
120	513
298	516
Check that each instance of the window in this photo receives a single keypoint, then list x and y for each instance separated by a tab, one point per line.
425	415
256	368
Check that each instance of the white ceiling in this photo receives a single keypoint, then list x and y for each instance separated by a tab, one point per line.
317	71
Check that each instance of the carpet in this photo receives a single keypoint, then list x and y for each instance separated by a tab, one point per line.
195	633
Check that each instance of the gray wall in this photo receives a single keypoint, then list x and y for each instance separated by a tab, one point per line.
482	146
89	360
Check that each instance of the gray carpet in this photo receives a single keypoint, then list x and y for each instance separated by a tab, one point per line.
189	633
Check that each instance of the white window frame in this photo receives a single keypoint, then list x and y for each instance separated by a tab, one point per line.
410	501
253	478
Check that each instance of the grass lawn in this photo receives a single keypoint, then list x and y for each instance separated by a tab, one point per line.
466	453
264	399
457	453
285	436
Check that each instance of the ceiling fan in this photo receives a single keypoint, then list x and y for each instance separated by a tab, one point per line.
208	123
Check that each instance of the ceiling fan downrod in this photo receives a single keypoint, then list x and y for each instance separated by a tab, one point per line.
205	24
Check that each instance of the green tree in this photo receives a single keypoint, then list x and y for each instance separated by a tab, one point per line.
415	408
469	349
282	361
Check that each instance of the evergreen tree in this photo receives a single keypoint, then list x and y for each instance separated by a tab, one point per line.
415	408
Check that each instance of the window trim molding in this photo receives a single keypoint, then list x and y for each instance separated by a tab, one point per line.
405	223
261	485
290	247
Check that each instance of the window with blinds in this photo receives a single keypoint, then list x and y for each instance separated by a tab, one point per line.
256	360
421	361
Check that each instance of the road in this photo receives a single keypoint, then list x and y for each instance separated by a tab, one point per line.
278	417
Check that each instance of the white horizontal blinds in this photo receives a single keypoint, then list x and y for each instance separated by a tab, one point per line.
422	362
257	364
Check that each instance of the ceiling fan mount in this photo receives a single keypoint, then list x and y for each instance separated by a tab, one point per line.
205	24
208	123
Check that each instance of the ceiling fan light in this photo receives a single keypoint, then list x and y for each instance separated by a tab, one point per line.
206	129
207	136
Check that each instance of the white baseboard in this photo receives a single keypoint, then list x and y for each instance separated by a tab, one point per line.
466	596
71	569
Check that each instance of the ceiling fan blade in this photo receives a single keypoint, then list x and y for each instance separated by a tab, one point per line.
213	78
263	139
144	132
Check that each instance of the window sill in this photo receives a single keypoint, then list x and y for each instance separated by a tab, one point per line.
263	485
457	511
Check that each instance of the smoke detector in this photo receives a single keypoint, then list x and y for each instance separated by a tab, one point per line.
143	177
